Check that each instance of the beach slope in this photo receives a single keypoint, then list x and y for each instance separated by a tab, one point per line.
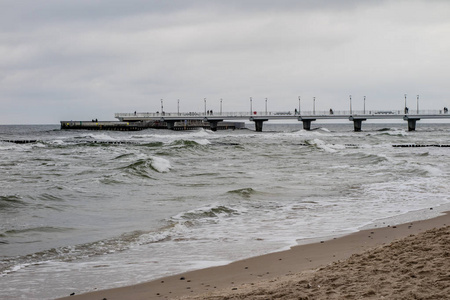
416	267
406	261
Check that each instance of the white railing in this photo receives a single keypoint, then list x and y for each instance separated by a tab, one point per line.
280	113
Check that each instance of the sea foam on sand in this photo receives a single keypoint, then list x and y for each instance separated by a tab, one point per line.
407	261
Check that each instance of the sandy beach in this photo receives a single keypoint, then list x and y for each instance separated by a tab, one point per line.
394	262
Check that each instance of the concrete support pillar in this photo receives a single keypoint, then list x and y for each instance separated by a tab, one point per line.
213	125
411	123
258	125
357	123
212	122
307	123
170	124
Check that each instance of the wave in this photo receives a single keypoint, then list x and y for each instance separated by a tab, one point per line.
108	180
370	159
322	129
142	167
320	144
184	143
187	143
389	132
49	197
160	164
245	192
174	229
11	201
96	136
152	144
121	156
81	251
206	212
46	229
139	168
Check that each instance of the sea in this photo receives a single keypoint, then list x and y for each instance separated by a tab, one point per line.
89	210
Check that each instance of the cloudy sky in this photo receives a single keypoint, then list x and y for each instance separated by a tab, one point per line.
84	59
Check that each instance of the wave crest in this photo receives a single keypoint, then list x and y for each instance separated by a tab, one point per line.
245	192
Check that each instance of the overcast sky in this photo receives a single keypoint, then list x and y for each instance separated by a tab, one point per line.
84	59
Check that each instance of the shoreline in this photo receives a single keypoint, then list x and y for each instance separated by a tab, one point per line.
301	258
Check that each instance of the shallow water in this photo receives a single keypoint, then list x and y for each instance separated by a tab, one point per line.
80	212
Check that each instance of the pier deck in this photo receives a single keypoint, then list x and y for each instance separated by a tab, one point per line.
185	121
307	118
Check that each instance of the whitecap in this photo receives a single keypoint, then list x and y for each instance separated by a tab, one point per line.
101	136
57	142
202	142
324	146
160	164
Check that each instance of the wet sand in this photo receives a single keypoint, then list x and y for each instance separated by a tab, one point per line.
395	262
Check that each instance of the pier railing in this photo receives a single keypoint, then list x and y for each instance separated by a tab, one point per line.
278	113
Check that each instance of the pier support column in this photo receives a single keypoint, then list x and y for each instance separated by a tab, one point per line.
411	122
213	125
212	122
357	123
258	123
170	125
306	123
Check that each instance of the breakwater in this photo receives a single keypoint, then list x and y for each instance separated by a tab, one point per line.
137	125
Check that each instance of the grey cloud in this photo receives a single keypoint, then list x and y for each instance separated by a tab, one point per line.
101	57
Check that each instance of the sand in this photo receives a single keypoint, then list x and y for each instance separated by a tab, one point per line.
407	261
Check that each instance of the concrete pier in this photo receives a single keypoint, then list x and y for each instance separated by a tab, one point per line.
183	121
108	125
161	123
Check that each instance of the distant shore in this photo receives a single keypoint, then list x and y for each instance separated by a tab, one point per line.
294	273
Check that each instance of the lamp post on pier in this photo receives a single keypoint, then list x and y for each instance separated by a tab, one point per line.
162	107
266	106
350	104
220	106
364	104
405	106
178	106
204	99
314	105
417	104
251	109
299	105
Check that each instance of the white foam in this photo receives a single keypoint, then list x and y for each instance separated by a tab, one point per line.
324	146
160	164
202	142
101	136
57	142
434	171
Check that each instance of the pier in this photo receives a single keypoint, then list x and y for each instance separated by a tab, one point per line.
260	117
174	123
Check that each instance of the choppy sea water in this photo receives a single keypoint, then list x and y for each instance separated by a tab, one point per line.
86	210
